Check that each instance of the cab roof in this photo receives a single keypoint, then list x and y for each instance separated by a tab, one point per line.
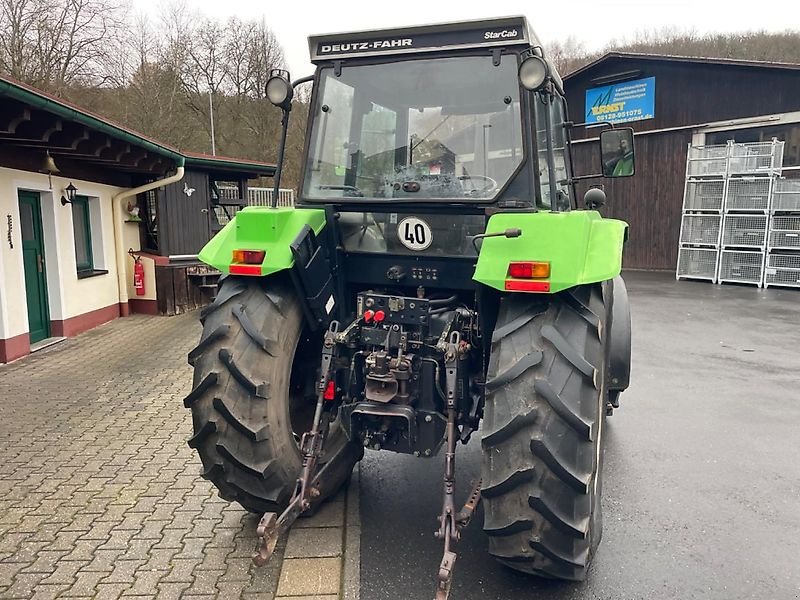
504	31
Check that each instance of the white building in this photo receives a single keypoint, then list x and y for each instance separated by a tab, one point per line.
67	181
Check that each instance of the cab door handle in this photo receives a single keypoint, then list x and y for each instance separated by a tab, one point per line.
40	262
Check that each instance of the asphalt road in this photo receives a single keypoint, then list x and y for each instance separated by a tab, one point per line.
702	473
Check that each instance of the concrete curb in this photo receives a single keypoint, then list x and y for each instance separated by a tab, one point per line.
313	559
351	568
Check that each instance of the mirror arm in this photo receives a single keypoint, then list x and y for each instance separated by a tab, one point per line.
305	79
279	166
282	146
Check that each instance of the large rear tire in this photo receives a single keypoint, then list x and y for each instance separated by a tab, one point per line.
253	396
544	417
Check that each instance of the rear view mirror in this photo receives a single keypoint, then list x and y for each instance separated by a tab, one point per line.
616	152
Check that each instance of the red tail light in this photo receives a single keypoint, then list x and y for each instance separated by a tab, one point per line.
529	270
248	257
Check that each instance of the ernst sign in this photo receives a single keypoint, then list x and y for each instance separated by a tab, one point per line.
622	102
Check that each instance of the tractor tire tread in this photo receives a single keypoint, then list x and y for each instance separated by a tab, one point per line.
558	520
504	432
213	337
259	390
514	480
542	433
525	362
562	409
558	466
241	423
257	435
251	329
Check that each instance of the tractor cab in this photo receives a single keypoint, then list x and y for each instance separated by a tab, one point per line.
416	135
441	114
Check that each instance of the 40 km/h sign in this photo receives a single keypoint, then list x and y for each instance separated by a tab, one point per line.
414	233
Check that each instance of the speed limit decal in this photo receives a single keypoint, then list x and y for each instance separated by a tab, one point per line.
414	233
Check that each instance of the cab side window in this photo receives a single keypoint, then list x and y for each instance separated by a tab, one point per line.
551	108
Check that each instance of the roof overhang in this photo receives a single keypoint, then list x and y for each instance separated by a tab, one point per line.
33	120
234	168
33	123
667	58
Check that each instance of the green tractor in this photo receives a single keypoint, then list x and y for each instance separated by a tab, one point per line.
436	282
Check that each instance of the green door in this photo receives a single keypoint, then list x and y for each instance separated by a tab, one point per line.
30	219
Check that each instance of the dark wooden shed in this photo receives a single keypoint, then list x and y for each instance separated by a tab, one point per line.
695	100
180	218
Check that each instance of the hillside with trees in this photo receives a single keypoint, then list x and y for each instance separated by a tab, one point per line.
159	78
162	77
784	47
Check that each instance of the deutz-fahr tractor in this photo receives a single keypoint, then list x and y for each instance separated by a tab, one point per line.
436	282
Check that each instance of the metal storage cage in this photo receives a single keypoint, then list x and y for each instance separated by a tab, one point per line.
697	263
782	270
784	232
750	194
737	214
707	161
763	158
700	229
704	195
741	266
744	231
786	196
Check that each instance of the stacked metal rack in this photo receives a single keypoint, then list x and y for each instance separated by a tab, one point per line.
701	220
726	211
783	242
752	172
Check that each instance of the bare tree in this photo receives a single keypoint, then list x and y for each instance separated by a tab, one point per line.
17	22
56	43
567	55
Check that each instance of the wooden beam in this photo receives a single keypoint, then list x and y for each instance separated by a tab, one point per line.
30	159
12	113
69	137
41	126
93	145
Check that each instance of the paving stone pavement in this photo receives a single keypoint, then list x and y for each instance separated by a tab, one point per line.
99	495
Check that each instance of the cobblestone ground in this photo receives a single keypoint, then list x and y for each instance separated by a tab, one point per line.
99	495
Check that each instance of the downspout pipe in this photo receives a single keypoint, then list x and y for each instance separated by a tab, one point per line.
117	213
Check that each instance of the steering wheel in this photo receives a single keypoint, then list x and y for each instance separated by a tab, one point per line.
490	185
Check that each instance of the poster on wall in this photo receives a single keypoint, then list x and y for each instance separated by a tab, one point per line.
622	102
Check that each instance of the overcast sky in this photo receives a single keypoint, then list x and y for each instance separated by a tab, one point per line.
594	23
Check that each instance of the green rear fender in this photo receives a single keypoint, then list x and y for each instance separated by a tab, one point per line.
581	247
260	228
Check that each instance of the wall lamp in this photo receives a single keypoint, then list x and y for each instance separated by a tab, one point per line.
70	189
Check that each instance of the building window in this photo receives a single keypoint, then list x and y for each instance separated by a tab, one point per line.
552	108
148	212
82	229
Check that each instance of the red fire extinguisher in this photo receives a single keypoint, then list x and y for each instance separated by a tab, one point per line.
138	275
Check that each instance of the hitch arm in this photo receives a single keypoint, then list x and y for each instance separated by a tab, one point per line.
450	523
271	526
